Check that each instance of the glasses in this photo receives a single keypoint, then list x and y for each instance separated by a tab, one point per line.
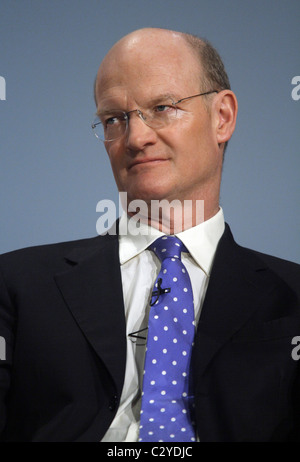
113	124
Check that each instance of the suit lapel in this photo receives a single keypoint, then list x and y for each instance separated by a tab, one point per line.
92	290
240	284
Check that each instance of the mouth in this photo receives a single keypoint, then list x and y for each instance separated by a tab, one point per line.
146	162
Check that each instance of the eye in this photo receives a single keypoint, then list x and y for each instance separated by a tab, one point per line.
163	108
110	121
114	120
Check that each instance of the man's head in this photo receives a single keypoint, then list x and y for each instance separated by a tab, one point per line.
149	70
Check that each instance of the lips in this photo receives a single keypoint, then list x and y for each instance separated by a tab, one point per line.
146	161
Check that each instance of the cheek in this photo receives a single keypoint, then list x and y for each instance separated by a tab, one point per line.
194	133
116	156
196	151
117	167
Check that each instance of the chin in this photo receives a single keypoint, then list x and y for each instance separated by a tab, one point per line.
148	194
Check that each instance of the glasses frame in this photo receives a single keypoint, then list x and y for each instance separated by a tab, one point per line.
141	115
194	96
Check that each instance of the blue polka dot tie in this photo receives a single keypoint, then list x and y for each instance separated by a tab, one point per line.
167	401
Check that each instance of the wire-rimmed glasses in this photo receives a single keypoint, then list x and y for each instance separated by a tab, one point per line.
112	124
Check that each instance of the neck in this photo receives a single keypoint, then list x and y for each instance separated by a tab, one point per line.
176	216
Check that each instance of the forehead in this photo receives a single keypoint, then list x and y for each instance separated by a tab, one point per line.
144	68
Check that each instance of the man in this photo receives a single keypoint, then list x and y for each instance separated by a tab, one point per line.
75	315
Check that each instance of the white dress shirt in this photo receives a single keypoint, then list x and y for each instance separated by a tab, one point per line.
139	269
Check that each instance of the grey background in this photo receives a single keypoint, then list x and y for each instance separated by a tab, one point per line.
52	169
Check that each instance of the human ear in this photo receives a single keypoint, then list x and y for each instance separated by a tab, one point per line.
225	110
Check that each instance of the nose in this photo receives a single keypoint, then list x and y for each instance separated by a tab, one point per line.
138	133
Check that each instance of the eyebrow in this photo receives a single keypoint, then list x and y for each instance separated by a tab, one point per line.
152	101
107	111
163	96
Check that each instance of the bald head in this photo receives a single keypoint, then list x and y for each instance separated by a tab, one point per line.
152	43
141	47
147	37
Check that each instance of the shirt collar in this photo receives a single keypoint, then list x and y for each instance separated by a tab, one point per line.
201	240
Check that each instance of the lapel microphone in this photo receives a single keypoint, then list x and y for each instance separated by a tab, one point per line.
157	293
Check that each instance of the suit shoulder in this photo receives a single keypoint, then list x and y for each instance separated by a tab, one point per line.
48	248
277	262
280	270
286	270
253	257
47	254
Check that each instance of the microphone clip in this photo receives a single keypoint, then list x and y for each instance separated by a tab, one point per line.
134	335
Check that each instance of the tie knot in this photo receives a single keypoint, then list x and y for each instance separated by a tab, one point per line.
168	247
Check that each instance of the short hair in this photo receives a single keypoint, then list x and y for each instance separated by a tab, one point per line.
214	75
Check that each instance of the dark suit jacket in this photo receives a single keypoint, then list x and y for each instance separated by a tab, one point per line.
62	316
